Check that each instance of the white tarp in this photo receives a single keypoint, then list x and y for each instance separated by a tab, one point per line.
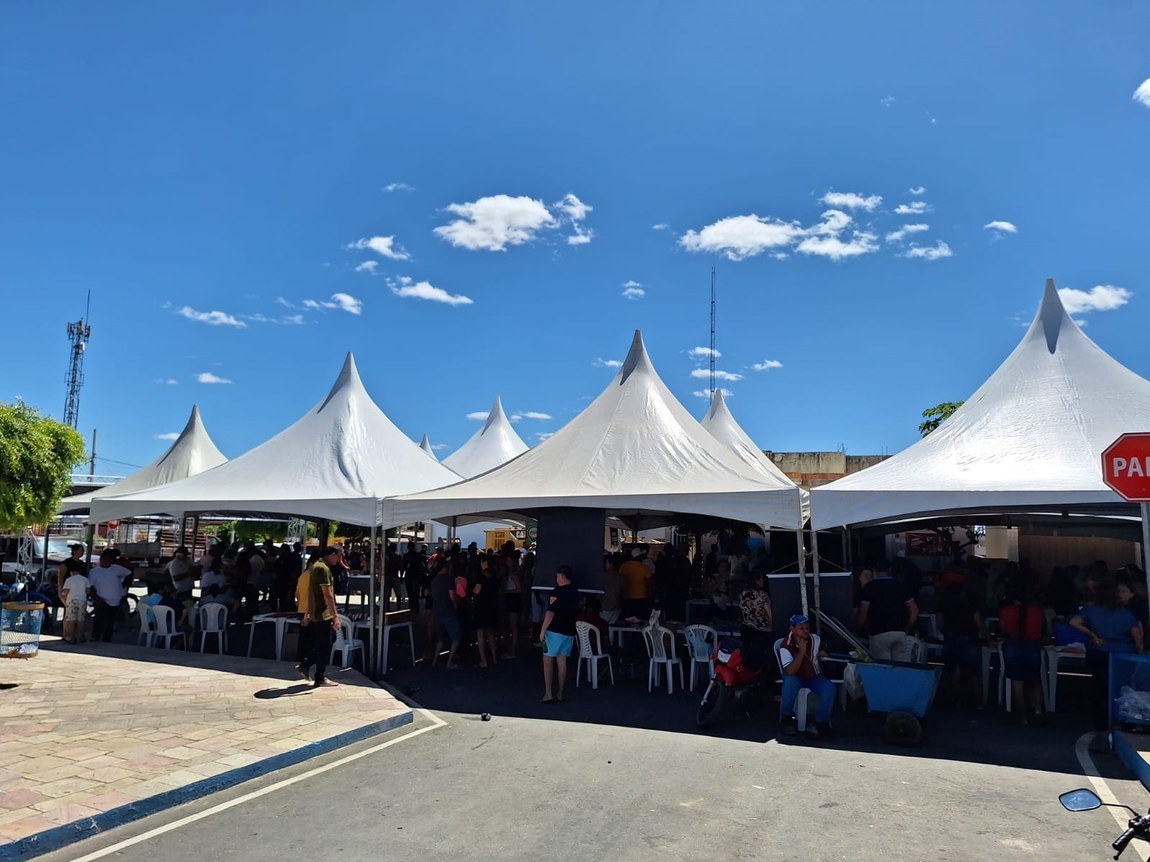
491	446
193	452
1031	436
635	450
334	464
425	445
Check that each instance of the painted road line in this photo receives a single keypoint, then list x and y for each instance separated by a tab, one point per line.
436	723
1082	749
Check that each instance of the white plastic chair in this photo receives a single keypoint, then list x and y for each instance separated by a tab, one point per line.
345	644
661	650
147	633
701	641
803	702
166	626
213	619
591	652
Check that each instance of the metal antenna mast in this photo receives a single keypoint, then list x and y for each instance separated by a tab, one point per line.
712	332
78	334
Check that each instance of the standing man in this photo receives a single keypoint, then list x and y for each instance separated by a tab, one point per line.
636	579
558	633
799	656
443	601
320	618
108	588
888	613
182	574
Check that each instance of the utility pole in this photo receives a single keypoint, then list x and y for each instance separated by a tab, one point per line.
78	334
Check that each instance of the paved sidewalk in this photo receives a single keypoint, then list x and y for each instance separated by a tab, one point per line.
97	735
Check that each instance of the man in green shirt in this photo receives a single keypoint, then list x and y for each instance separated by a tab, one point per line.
320	618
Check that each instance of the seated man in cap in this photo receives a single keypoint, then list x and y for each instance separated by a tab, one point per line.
799	657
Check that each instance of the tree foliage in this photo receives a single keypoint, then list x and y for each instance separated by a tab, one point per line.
37	456
936	415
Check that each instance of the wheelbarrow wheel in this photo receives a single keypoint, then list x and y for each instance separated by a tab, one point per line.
902	728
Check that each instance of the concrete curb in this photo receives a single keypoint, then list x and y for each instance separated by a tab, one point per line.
79	830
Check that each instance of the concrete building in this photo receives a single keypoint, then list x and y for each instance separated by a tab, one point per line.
811	469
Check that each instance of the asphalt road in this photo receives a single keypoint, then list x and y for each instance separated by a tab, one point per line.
567	782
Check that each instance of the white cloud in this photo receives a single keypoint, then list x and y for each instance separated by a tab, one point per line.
478	415
531	414
1101	297
886	101
543	435
573	208
850	201
606	363
704	373
582	236
208	377
917	190
167	381
634	292
171	435
1000	227
703	353
767	365
660	226
825	238
740	237
384	246
707	393
212	318
368	266
290	319
281	301
938	250
338	301
904	231
912	208
438	446
1142	94
495	222
408	288
398	187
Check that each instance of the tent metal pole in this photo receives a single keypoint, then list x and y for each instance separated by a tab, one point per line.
848	563
802	567
374	616
44	563
818	597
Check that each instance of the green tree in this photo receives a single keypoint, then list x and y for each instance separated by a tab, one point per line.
37	456
936	415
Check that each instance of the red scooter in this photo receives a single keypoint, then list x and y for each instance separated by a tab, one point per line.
734	681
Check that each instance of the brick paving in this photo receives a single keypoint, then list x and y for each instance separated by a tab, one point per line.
93	734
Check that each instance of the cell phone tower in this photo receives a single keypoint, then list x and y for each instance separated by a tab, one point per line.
78	334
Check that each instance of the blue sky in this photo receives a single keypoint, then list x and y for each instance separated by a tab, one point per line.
489	198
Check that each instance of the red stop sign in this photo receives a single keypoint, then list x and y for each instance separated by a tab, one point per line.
1126	467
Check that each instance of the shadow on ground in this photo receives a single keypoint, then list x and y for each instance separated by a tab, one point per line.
514	688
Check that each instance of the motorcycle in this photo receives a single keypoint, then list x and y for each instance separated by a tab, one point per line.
1087	800
735	680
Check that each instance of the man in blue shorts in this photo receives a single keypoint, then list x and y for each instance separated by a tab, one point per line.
558	632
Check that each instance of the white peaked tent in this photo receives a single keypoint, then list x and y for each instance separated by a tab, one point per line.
192	453
494	444
727	431
1030	439
634	451
333	464
425	445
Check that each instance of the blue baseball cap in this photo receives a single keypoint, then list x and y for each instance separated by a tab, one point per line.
798	620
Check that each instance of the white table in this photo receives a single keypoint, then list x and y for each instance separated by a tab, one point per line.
281	620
